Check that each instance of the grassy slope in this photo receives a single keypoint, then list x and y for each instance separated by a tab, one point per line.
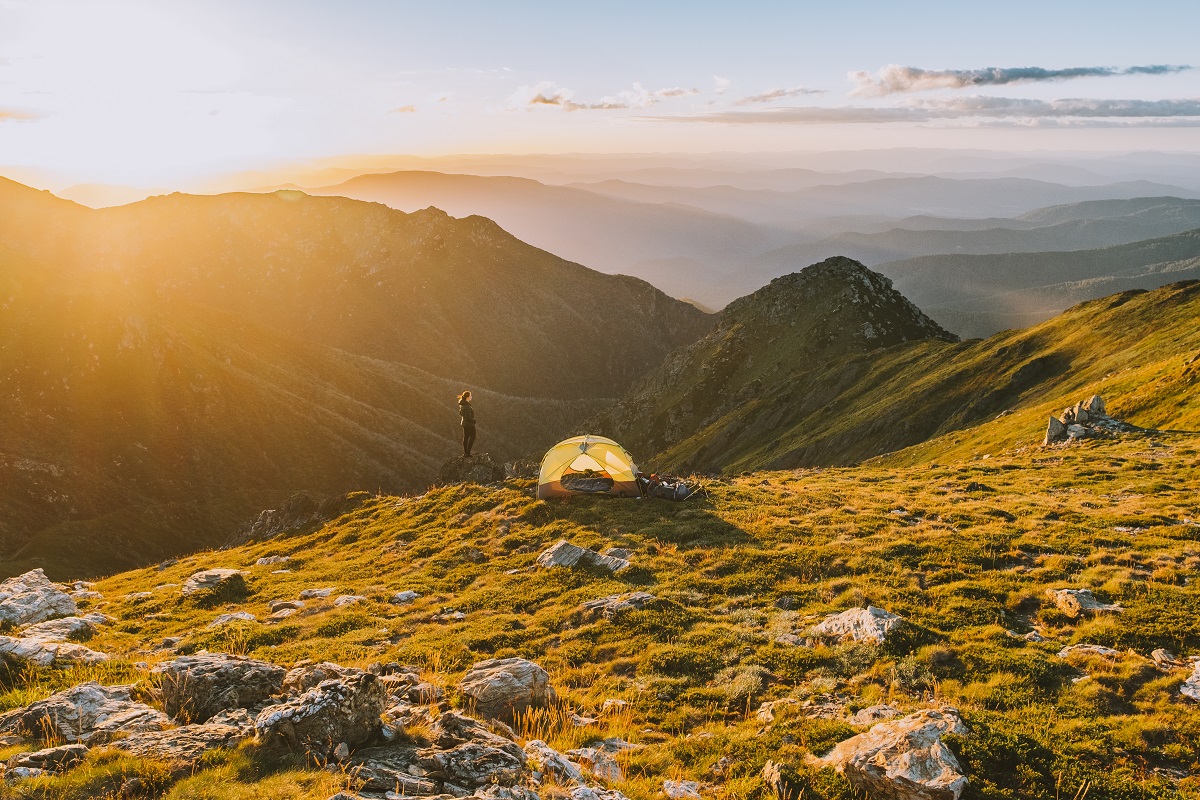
964	551
1136	349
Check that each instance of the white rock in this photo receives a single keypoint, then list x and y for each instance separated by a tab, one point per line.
348	599
46	653
208	579
565	554
506	686
766	711
59	630
267	561
1089	650
868	624
32	598
599	763
88	712
234	616
554	763
874	714
309	594
677	790
1078	602
1191	687
904	759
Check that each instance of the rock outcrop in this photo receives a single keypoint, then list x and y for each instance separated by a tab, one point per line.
309	676
42	653
32	598
51	760
565	554
88	713
904	759
1085	420
1191	687
1077	603
187	743
868	624
298	512
210	579
476	469
503	687
196	687
342	713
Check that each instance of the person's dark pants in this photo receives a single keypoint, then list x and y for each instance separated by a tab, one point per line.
468	440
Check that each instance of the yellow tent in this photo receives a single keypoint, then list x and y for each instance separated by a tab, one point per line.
587	465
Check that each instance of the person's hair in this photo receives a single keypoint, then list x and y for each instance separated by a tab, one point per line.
465	396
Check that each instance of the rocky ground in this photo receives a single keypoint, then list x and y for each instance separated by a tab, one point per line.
1021	625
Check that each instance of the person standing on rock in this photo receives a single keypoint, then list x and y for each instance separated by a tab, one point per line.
468	422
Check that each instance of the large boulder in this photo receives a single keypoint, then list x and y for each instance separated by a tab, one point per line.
185	744
88	713
1076	603
210	579
1056	431
196	687
904	759
565	554
472	765
868	624
41	653
504	687
31	598
344	712
390	769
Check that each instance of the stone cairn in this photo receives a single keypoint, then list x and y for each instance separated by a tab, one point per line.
1086	419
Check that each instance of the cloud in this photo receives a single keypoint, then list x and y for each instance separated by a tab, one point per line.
720	85
895	79
17	115
772	95
987	110
548	93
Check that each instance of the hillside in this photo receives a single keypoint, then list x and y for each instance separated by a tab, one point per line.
769	341
716	670
173	367
838	407
978	295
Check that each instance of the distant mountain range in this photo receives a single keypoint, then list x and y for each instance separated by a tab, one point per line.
173	366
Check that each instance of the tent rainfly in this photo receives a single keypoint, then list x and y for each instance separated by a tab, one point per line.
587	465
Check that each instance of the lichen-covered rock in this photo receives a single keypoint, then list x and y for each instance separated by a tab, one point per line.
1191	687
403	598
473	765
873	714
31	598
553	763
904	759
209	579
503	687
52	759
598	762
1079	602
565	554
187	743
308	676
868	624
347	710
60	630
387	769
233	616
606	607
196	687
682	790
46	653
1088	650
1055	431
88	713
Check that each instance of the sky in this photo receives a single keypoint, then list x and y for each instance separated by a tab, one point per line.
164	92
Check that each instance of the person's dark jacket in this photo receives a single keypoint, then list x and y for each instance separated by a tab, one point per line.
468	413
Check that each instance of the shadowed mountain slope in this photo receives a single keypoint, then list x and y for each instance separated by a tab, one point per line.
763	344
940	398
